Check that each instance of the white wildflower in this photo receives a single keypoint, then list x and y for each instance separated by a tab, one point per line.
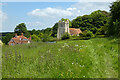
83	76
59	49
65	43
72	63
76	45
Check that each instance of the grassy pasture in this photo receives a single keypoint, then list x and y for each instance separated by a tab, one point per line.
94	58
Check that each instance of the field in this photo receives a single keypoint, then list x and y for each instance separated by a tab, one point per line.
94	58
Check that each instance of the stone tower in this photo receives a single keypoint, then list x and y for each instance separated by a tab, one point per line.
63	27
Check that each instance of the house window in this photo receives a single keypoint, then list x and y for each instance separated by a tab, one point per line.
25	39
11	43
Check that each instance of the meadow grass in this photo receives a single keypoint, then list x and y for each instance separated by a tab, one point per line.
94	58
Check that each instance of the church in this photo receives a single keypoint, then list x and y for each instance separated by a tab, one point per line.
63	26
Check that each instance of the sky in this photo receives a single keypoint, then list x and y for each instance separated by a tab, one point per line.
41	15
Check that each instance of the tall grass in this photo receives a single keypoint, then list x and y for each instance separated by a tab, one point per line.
94	58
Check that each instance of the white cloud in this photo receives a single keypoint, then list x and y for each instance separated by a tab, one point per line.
88	7
70	9
53	12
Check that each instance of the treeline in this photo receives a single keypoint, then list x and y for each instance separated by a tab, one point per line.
97	24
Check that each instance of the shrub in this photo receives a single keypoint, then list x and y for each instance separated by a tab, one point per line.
86	34
65	36
35	38
89	34
45	38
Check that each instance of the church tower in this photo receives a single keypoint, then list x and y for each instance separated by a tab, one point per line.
63	26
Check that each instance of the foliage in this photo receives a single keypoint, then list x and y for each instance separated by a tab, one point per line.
35	37
7	38
40	35
48	31
93	58
54	30
91	22
114	25
86	34
70	24
21	28
45	38
65	36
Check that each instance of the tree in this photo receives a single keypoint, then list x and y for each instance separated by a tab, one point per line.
45	37
35	37
40	35
7	38
21	28
54	30
114	25
91	22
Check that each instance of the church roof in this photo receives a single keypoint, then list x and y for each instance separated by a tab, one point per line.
74	31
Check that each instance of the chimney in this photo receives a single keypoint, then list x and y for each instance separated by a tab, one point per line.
15	34
21	34
30	38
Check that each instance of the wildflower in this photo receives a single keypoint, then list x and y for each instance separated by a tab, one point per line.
76	45
83	76
83	66
80	65
65	43
59	49
72	63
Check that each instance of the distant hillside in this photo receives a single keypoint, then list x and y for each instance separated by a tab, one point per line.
4	33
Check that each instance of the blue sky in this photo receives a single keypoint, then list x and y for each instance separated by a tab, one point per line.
40	15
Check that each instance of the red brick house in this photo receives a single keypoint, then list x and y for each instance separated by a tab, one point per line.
19	40
74	31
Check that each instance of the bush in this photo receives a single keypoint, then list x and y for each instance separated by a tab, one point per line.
45	38
65	36
86	34
89	34
35	38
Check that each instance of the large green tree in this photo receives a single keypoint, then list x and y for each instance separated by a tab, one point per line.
114	25
92	22
21	28
54	30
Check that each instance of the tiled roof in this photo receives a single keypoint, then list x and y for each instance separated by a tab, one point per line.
19	39
74	31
